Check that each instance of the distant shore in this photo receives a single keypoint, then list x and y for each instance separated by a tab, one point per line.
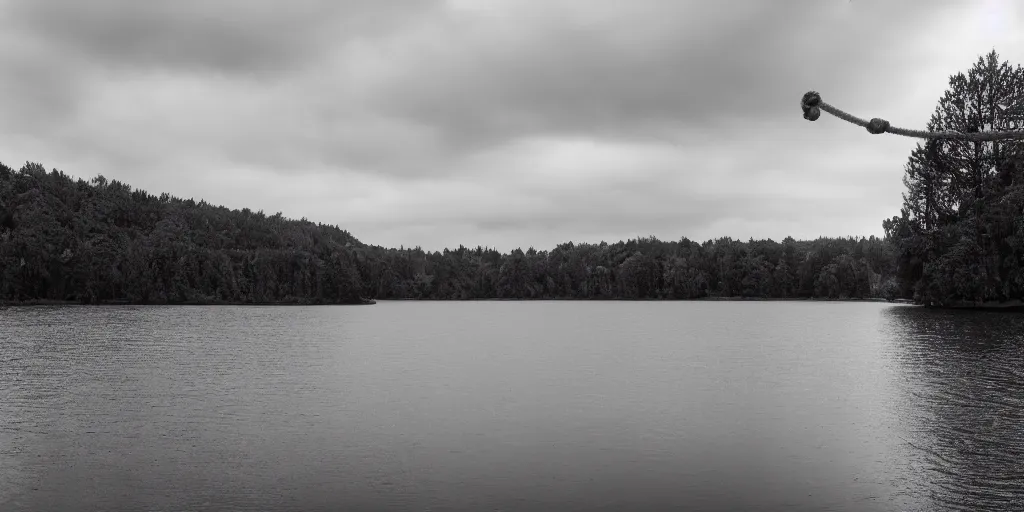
1013	305
973	306
702	299
45	302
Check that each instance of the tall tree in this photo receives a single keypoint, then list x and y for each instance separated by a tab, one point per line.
951	245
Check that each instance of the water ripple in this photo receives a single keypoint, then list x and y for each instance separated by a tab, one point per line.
963	405
557	406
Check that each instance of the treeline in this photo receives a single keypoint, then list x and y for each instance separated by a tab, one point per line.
100	241
70	240
960	235
644	268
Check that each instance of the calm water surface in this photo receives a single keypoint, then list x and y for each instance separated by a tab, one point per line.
513	406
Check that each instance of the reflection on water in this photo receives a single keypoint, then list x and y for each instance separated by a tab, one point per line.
960	378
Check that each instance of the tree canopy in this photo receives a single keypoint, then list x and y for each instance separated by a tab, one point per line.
959	237
101	241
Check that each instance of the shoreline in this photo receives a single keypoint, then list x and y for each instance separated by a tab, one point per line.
48	302
1013	305
962	306
702	299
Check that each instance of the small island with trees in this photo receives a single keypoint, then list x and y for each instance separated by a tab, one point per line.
957	242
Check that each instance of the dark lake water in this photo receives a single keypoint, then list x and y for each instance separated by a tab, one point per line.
512	406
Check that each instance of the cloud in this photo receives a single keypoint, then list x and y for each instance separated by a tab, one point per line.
221	36
637	70
505	123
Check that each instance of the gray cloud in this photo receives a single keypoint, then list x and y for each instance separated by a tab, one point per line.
643	68
37	85
516	122
59	53
396	85
220	36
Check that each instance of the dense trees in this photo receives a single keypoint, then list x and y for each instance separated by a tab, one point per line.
101	241
960	235
644	268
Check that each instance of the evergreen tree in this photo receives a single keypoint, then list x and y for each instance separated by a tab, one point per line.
955	236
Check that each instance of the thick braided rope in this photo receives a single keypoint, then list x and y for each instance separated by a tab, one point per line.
812	106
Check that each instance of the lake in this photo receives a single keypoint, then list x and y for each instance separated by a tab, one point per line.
512	406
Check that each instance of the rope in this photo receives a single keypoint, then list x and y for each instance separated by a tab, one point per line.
812	106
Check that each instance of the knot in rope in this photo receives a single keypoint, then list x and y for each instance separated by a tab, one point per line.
876	126
809	104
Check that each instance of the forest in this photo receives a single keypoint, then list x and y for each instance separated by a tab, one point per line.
959	240
100	241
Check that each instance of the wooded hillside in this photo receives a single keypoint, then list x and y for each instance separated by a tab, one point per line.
100	241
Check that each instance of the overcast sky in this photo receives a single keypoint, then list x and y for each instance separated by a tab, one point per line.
504	123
